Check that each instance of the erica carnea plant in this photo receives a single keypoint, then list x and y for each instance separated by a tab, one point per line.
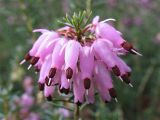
79	57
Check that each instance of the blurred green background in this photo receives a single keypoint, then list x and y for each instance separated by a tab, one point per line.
138	20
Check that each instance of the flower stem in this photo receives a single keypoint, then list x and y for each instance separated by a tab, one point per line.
76	112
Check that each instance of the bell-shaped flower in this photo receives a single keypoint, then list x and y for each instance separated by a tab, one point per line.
44	72
72	51
78	90
86	64
57	57
65	84
48	92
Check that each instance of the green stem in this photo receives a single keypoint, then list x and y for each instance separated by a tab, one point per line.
61	106
76	112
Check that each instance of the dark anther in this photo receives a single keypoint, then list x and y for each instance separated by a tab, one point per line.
49	98
106	101
65	91
36	69
27	57
112	93
41	86
127	46
34	60
87	83
79	103
129	74
69	73
48	81
61	90
126	79
52	72
116	70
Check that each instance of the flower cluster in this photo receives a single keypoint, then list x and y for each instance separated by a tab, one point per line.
23	105
80	59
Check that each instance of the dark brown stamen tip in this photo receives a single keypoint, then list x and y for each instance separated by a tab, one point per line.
48	81
116	70
112	93
36	69
34	60
60	90
49	98
64	90
52	72
125	78
128	74
41	86
27	57
127	46
106	101
87	83
79	103
69	73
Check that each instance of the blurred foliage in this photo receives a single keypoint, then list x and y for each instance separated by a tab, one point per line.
138	20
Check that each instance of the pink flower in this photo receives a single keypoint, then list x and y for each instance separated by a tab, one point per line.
63	112
72	51
28	85
86	65
33	116
80	62
78	90
106	31
27	101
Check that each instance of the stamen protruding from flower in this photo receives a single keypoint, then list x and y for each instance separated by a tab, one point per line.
116	99
48	81
41	86
69	73
87	83
135	52
34	60
87	91
29	67
112	93
120	78
127	46
22	62
116	70
126	78
49	98
52	72
130	85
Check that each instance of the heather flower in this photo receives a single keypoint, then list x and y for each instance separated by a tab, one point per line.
26	101
28	85
78	59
